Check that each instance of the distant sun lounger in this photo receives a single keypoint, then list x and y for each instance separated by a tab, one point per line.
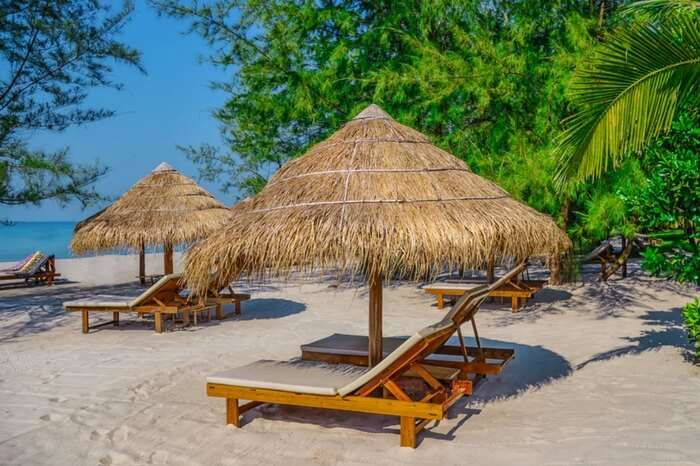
354	388
37	267
162	299
519	291
217	297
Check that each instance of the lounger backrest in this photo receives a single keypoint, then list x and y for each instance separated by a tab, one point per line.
429	338
18	265
36	262
167	285
605	246
412	344
468	304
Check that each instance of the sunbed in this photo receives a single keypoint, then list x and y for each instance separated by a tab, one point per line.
352	349
161	299
37	267
518	290
610	258
355	388
217	297
17	265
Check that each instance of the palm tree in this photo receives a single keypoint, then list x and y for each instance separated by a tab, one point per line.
632	88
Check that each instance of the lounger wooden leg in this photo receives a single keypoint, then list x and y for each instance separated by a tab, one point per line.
219	312
115	319
86	322
514	304
232	413
186	317
159	322
440	301
238	308
408	431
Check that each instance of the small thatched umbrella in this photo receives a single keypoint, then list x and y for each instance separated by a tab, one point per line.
164	209
377	197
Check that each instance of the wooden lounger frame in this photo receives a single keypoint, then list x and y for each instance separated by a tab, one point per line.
46	273
519	291
414	414
218	299
165	302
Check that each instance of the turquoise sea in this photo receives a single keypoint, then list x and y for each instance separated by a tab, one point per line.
23	238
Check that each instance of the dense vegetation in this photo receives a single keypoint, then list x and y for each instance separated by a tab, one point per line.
691	317
51	53
491	82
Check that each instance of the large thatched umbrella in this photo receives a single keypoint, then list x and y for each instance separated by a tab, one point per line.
164	209
375	197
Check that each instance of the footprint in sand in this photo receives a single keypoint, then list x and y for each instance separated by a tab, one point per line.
158	457
119	435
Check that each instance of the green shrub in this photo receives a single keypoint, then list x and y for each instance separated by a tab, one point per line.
691	318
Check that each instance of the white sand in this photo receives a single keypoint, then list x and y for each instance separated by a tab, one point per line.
599	378
105	270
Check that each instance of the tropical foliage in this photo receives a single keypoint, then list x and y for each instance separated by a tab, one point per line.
490	82
669	201
631	90
51	53
485	80
691	318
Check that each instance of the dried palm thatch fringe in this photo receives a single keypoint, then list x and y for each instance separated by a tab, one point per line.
376	192
165	207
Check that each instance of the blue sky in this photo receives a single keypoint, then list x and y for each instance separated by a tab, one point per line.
170	105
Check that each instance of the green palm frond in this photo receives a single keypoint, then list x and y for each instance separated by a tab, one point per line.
659	8
630	93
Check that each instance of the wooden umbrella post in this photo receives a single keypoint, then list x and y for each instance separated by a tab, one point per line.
168	258
142	264
375	350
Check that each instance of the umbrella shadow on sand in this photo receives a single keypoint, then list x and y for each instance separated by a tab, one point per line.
532	368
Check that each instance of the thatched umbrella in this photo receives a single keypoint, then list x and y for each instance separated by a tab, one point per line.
375	197
164	209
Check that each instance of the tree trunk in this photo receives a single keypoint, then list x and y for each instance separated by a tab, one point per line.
622	260
168	259
555	269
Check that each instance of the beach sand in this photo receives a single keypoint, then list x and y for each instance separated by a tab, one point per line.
601	376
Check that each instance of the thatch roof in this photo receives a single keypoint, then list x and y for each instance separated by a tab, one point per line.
375	192
164	207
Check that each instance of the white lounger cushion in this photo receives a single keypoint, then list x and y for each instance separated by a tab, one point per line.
314	377
102	300
309	377
452	286
393	357
350	345
154	288
120	301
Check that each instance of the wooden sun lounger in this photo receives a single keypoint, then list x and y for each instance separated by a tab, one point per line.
38	267
519	291
609	259
354	388
482	361
162	299
218	297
